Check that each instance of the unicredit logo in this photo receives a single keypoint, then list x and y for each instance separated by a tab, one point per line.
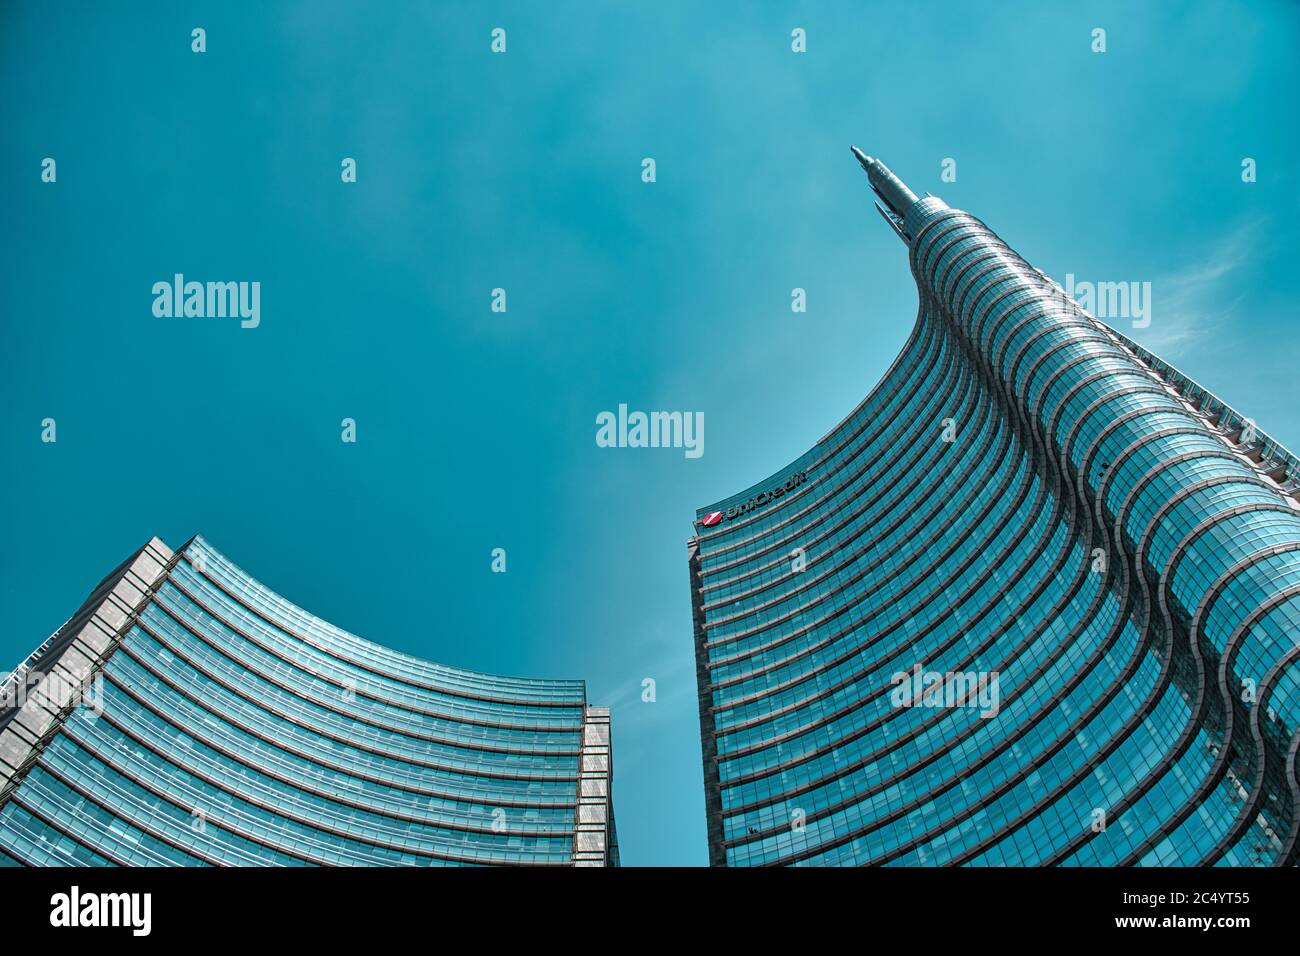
760	499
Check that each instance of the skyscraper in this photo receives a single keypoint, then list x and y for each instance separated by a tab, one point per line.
188	715
1034	601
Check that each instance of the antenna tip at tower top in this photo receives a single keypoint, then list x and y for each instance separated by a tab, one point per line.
898	199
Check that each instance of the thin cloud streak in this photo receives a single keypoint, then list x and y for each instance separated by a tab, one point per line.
1190	304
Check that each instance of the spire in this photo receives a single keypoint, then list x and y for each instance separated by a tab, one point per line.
897	197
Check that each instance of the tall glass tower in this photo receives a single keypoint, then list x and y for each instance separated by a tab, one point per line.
186	715
1034	601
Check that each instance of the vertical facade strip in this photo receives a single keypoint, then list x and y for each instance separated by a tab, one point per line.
595	843
40	693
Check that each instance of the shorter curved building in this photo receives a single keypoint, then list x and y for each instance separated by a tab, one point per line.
187	715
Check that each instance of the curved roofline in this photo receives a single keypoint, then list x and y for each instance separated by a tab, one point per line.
506	680
780	473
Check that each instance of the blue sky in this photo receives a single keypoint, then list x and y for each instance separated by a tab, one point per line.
476	429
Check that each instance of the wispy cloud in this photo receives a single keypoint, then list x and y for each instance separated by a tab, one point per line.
1193	302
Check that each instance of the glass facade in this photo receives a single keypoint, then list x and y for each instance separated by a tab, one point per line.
187	715
1033	602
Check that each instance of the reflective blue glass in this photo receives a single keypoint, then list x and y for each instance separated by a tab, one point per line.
1033	602
216	723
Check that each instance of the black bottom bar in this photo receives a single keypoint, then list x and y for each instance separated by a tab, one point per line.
333	907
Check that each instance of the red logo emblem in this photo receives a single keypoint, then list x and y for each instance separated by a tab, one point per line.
710	519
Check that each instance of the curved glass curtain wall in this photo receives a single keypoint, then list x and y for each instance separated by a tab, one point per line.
1025	494
235	728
